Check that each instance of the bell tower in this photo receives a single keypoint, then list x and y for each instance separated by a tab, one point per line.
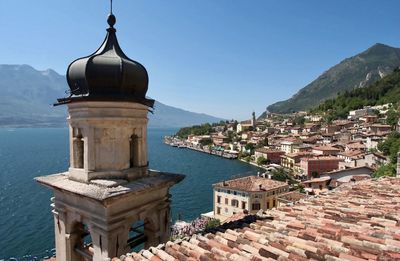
108	201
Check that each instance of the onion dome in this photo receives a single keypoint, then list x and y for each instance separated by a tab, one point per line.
107	75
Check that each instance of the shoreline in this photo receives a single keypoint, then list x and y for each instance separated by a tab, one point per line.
178	143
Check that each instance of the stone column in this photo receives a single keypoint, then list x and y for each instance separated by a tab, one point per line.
144	146
71	146
165	229
67	237
90	152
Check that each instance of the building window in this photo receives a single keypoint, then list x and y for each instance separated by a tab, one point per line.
234	203
218	211
226	201
267	204
243	205
218	199
256	206
229	192
273	203
234	193
226	210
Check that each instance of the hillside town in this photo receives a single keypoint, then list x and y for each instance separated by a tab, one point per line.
324	195
319	155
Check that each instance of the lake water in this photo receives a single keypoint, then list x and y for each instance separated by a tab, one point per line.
26	224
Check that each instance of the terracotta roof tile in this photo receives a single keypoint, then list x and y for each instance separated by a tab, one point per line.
358	221
251	183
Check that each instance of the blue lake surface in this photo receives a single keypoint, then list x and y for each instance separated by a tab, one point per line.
26	221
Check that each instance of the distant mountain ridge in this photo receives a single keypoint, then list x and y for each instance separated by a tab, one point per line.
27	96
358	71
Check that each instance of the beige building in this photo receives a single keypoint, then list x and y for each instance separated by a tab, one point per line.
288	146
249	194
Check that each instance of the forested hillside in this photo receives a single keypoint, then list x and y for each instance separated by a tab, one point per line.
358	71
386	90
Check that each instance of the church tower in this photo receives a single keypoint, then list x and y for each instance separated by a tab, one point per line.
253	119
108	201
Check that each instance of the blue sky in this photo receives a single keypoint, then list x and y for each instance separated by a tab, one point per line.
221	57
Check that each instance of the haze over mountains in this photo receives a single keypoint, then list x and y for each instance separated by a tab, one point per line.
27	96
358	71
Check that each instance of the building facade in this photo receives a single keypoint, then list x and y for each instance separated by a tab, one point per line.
248	194
317	166
273	156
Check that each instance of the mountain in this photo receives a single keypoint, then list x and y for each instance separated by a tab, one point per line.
27	97
167	116
383	91
354	72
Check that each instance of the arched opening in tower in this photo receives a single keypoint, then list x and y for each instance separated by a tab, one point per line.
134	151
83	244
136	237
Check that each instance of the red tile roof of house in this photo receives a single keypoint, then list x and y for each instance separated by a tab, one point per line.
358	221
265	150
325	148
321	158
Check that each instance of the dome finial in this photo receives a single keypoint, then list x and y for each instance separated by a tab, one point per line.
111	18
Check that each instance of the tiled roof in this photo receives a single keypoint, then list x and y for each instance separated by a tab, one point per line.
326	148
322	158
358	221
251	183
353	153
292	196
265	150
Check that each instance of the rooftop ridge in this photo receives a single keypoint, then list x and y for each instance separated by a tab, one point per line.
357	221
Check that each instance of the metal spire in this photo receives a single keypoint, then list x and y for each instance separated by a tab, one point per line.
111	17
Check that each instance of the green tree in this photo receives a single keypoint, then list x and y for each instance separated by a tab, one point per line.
391	146
204	129
299	121
392	117
205	142
315	174
386	170
212	223
261	161
282	175
250	147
